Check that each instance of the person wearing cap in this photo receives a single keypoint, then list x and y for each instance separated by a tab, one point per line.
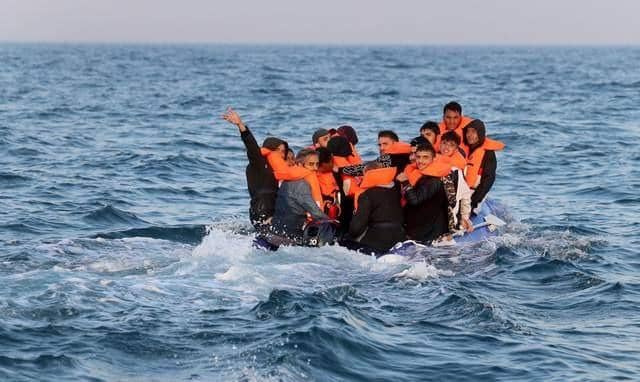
480	171
320	138
261	181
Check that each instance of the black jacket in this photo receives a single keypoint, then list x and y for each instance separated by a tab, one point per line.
261	182
426	216
489	166
379	217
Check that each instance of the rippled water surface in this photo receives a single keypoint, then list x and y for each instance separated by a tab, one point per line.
124	245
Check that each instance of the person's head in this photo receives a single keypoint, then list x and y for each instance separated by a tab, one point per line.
452	115
430	130
339	146
449	143
415	142
386	139
474	133
308	159
320	138
349	133
424	156
325	160
276	144
291	157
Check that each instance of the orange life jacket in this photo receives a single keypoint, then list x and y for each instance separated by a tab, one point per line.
328	184
455	160
473	171
437	168
374	178
349	182
399	148
282	171
464	121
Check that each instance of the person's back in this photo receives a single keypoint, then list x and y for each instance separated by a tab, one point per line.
377	222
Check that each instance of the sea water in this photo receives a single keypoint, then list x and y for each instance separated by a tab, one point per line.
125	246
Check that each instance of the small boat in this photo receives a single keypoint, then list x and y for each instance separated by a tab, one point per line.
485	224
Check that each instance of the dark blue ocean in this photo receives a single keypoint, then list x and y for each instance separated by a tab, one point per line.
125	245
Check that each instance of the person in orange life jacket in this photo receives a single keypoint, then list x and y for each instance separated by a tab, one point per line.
320	138
294	204
328	184
480	172
350	134
347	184
430	131
450	150
291	157
261	181
453	120
425	215
415	142
389	143
377	221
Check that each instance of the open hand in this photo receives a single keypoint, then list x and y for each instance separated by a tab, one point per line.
234	118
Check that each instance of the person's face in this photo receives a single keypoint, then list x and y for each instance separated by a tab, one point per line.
429	135
447	148
311	162
323	141
291	159
283	151
423	159
412	156
384	144
472	137
451	119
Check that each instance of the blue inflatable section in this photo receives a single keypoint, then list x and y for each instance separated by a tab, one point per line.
410	247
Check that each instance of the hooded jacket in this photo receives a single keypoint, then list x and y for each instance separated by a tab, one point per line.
261	182
480	172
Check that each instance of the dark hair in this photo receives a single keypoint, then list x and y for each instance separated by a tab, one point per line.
450	136
419	140
324	155
303	154
388	134
426	148
430	125
453	106
290	150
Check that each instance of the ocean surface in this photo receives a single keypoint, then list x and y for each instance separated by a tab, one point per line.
125	245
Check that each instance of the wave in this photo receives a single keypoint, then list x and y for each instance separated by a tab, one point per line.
186	234
109	215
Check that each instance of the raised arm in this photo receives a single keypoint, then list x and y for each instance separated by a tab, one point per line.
250	143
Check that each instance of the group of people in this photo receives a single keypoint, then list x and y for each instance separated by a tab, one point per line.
425	190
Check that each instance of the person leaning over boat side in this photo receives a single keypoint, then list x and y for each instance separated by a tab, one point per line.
294	204
261	181
377	221
480	172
